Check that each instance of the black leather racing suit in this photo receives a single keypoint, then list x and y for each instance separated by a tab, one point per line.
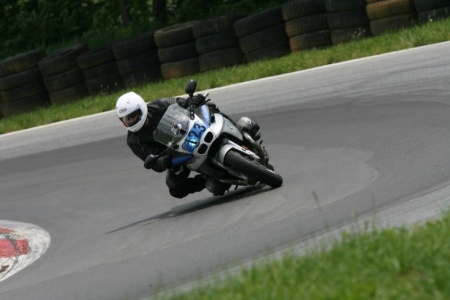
142	144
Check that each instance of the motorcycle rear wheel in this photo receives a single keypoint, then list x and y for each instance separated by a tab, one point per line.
253	169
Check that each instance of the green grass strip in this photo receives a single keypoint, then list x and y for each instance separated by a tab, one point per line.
397	263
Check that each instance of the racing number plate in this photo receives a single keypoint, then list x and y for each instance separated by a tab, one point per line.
193	138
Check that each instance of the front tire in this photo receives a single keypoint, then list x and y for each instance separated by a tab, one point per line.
252	169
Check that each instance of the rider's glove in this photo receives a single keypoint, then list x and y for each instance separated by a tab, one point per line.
162	164
158	164
198	100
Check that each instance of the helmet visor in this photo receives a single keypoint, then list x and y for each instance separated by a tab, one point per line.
132	118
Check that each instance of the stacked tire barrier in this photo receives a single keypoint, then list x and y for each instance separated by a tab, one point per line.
389	15
100	71
347	20
32	79
306	24
21	85
429	10
137	59
62	76
217	43
262	35
176	51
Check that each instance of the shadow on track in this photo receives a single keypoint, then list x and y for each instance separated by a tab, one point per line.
201	204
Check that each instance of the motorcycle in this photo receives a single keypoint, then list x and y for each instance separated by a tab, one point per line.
206	142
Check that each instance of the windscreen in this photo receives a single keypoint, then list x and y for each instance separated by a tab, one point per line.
173	125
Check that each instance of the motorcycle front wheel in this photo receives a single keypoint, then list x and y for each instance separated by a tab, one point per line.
252	169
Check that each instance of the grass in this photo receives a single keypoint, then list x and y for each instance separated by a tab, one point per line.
430	33
395	263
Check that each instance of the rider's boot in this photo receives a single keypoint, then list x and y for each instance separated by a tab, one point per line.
216	187
180	185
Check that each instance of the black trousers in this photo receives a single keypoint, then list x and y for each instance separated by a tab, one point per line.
180	185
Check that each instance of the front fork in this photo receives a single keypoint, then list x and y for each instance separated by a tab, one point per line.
263	155
228	145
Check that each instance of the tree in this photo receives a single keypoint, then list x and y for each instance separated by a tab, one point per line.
124	12
159	10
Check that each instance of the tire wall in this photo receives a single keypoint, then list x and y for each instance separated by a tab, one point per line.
176	51
216	43
137	59
347	20
389	15
430	10
62	76
100	71
21	86
33	79
306	24
263	35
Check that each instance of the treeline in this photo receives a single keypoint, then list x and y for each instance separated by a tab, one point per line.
31	24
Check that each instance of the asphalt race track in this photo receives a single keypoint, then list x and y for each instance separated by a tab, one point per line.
366	137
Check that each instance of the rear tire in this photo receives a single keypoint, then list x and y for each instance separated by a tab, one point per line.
253	169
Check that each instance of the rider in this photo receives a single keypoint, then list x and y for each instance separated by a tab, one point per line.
141	120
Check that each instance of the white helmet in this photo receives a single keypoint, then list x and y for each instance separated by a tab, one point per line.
132	111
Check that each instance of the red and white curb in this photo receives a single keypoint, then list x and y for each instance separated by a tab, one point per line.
20	245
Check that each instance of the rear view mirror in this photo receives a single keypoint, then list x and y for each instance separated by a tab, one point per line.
191	86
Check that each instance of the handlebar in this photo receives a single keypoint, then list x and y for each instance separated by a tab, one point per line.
192	106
